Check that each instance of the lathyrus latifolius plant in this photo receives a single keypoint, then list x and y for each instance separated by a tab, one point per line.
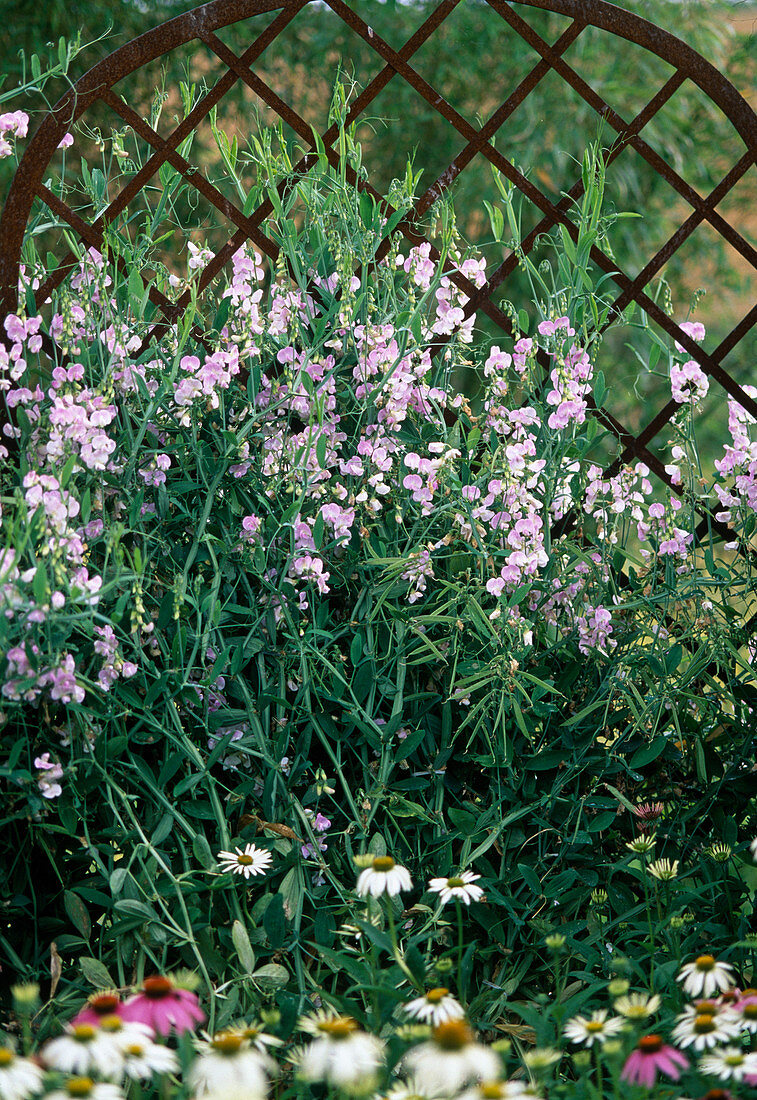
287	584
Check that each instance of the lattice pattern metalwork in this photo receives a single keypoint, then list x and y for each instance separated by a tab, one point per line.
203	23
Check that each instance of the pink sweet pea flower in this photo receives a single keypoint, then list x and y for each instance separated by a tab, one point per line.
650	1057
163	1007
98	1006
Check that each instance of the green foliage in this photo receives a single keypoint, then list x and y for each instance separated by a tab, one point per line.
462	724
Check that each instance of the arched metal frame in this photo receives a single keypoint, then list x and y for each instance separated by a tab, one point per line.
201	25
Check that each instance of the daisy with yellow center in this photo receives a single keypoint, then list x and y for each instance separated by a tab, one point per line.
84	1088
246	861
341	1054
383	876
457	888
637	1006
19	1078
82	1050
705	1025
596	1028
436	1007
227	1065
705	976
729	1064
450	1060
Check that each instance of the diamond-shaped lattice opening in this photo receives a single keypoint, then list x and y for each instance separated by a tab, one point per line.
303	63
707	262
630	372
476	28
739	207
604	62
694	138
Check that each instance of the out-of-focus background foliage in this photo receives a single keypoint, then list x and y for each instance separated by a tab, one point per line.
475	61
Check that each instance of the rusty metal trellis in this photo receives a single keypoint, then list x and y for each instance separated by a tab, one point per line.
201	25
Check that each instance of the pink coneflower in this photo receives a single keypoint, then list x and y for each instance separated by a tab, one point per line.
651	1056
647	813
163	1006
98	1006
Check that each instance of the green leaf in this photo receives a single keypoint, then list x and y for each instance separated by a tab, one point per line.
416	964
271	976
241	942
77	913
600	388
202	852
647	753
274	922
531	878
96	973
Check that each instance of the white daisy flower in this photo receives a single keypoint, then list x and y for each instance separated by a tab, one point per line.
596	1029
84	1049
459	887
384	876
84	1088
247	861
19	1078
143	1058
637	1006
746	1012
729	1064
450	1060
253	1034
501	1090
228	1066
436	1007
342	1055
705	976
705	1025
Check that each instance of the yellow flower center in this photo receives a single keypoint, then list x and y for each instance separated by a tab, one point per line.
435	995
6	1056
135	1050
704	1024
594	1026
491	1090
705	962
455	882
79	1086
227	1043
245	861
734	1059
340	1028
83	1033
383	864
453	1035
111	1023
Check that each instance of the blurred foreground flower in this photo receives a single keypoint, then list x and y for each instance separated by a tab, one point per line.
450	1060
341	1054
705	976
19	1077
653	1056
164	1007
436	1007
